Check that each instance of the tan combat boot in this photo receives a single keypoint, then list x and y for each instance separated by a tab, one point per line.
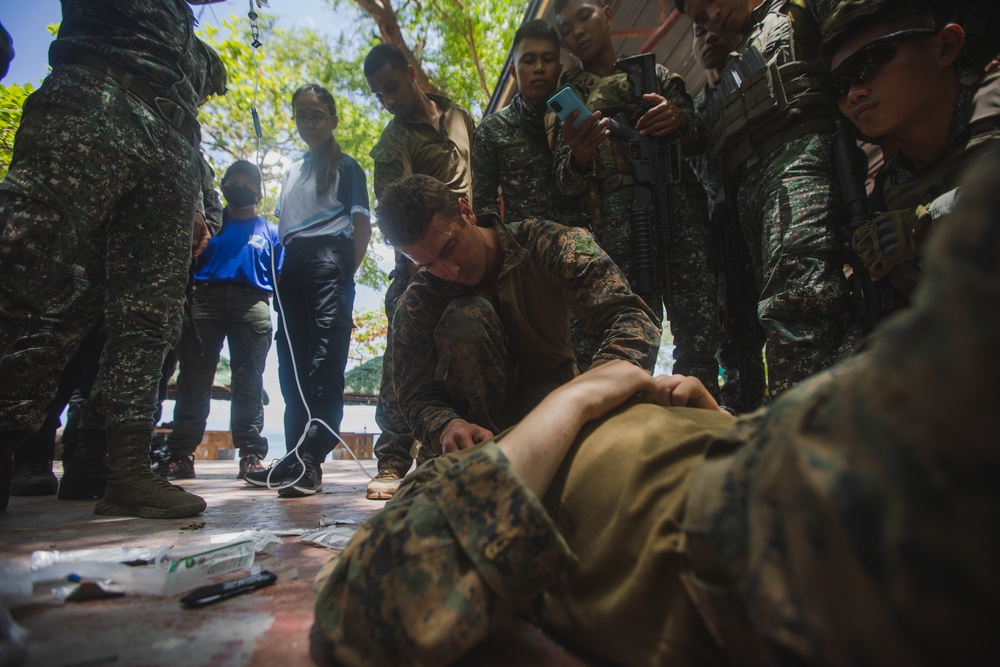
134	489
384	484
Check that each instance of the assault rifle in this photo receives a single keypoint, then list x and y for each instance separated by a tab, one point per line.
872	298
656	165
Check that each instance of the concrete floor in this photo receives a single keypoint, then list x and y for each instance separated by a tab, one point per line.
265	627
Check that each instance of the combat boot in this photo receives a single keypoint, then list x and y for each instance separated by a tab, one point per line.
9	442
134	489
33	478
85	467
33	464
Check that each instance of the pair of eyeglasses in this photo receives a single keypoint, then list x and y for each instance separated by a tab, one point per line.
316	119
866	61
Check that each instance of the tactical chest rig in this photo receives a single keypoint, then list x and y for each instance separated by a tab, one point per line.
770	92
982	133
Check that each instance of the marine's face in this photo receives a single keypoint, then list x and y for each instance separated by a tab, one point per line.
723	17
537	69
882	78
585	27
711	49
395	89
314	119
452	250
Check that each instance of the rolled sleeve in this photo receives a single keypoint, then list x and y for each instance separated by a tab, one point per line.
462	547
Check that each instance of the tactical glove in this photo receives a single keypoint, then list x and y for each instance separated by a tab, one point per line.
894	237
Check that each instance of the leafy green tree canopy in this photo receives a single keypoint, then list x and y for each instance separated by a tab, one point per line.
265	79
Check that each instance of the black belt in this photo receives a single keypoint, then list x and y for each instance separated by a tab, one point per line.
173	113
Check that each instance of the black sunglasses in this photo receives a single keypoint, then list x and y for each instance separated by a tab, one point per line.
867	60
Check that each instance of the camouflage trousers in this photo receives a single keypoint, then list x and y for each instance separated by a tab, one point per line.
786	208
476	368
477	371
223	312
97	180
692	290
395	442
32	368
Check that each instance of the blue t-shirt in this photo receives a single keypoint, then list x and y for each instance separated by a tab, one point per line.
241	253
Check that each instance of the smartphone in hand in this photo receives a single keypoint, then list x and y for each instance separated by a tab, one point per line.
565	102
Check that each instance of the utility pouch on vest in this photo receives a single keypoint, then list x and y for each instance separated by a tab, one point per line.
760	106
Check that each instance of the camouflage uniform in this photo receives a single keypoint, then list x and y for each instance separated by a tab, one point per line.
406	148
739	339
33	364
975	129
781	160
461	355
693	290
66	204
843	526
511	155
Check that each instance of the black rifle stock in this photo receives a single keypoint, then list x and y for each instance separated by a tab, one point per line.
872	298
656	165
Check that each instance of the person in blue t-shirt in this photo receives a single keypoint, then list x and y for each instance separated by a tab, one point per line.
233	284
325	228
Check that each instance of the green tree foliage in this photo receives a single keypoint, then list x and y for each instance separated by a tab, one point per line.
11	100
265	79
458	45
364	379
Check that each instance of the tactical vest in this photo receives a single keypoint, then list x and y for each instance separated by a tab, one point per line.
942	176
772	91
611	95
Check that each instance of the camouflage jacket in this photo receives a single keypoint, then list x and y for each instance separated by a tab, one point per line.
152	39
548	271
852	526
410	147
611	168
511	154
707	165
975	128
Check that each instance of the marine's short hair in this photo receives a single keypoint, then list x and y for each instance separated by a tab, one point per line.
853	16
679	4
246	168
535	29
406	207
385	54
560	5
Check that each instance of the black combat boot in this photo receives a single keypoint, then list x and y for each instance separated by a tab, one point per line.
33	465
134	489
85	466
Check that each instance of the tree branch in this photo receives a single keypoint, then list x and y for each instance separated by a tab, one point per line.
388	24
468	35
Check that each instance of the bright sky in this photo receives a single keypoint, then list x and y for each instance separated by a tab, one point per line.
26	21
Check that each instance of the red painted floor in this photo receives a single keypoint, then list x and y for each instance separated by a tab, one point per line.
265	627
